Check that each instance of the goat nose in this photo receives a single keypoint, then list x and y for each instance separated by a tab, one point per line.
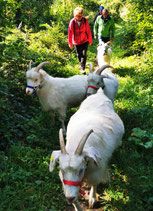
27	91
70	199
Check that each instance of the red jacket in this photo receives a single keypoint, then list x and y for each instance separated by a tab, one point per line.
79	35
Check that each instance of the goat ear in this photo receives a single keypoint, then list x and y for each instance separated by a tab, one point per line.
104	76
92	153
53	159
42	74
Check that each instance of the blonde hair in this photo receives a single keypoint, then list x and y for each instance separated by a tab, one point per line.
78	10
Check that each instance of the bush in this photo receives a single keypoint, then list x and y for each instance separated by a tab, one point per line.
138	29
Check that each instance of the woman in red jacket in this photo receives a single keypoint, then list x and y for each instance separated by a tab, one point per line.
79	34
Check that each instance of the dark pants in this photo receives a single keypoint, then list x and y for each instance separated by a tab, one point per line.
81	51
104	39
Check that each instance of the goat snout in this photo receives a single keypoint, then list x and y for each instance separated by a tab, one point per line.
27	91
70	199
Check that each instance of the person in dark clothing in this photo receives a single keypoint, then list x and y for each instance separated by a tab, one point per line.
99	13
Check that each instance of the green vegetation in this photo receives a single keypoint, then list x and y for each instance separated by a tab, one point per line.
27	139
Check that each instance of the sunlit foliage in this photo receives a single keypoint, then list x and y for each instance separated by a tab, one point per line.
37	31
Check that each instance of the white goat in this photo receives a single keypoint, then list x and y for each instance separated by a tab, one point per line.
104	78
93	133
104	53
56	94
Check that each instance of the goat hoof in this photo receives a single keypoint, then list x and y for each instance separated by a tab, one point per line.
91	203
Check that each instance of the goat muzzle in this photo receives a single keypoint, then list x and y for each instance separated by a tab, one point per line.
27	91
75	183
70	199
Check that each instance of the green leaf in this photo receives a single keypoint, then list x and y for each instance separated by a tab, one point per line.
38	182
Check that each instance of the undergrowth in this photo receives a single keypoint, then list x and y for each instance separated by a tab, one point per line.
27	139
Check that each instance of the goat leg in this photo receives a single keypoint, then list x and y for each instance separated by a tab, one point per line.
62	116
92	196
77	206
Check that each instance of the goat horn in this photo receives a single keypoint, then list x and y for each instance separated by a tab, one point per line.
90	67
82	142
40	65
29	66
62	144
99	70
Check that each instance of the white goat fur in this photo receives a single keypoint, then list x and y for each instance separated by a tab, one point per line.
104	53
96	112
57	94
106	79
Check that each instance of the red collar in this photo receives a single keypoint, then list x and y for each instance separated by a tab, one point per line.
75	183
93	87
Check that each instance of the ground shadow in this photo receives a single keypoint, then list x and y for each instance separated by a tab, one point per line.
124	71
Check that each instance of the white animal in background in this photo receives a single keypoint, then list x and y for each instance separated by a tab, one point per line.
56	94
104	53
104	78
93	133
